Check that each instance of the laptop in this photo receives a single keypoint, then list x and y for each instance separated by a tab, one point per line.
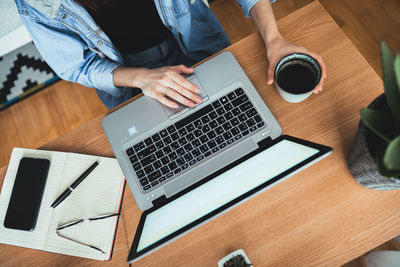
192	158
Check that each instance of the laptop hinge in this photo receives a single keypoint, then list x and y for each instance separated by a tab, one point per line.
159	201
266	142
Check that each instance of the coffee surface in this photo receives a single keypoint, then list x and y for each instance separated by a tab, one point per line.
296	78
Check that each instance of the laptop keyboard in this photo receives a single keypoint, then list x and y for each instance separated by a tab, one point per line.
191	140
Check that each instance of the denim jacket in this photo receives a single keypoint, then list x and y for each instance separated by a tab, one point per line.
76	48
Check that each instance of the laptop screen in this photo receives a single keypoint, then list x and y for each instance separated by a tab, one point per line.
265	167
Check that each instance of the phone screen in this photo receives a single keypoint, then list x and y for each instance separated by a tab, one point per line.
27	193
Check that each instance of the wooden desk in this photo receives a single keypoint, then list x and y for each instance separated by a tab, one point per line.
320	216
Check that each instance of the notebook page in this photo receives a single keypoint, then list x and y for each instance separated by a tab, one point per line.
99	194
35	239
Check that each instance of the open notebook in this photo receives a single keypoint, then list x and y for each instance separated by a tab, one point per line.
99	194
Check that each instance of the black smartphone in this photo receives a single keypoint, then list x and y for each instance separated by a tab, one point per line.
27	193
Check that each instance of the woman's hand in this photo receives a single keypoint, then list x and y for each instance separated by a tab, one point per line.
278	47
162	84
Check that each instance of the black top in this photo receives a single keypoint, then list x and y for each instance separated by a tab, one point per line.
132	26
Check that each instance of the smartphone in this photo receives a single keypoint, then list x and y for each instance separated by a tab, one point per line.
26	197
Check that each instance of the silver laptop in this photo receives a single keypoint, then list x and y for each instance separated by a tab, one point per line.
162	151
194	160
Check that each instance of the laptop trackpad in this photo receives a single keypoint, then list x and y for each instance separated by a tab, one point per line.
172	113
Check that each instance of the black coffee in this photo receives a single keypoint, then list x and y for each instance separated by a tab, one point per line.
296	78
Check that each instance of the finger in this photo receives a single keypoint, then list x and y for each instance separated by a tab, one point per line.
167	102
183	69
183	91
319	87
185	83
321	63
270	73
179	98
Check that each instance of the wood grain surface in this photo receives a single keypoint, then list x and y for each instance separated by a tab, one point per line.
319	217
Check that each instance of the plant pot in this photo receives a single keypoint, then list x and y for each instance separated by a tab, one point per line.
225	259
361	158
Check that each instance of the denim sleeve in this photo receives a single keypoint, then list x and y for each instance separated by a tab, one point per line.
70	57
246	5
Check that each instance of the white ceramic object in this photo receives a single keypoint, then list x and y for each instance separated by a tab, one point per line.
231	255
296	98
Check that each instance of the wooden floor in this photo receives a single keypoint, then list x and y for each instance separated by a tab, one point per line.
64	106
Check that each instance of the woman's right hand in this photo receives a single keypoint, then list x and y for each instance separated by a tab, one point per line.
163	84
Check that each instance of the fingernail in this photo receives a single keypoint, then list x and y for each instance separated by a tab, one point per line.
191	104
198	99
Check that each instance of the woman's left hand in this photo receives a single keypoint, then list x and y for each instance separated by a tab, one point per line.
279	47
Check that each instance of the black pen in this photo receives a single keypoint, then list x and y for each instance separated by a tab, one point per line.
69	190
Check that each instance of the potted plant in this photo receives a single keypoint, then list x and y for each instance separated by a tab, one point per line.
235	259
374	159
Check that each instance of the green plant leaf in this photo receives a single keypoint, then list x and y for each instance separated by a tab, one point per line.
380	122
389	80
381	166
391	159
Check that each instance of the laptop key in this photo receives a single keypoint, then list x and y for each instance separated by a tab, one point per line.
213	124
237	137
250	122
219	130
163	133
182	132
208	153
130	151
199	158
236	111
203	139
175	136
190	128
213	115
206	128
138	147
180	161
136	166
205	119
240	100
234	121
162	179
223	100
185	166
147	187
159	144
172	156
171	129
235	131
149	159
133	159
159	154
203	148
211	144
231	96
221	120
230	141
246	106
154	183
188	157
156	137
227	126
164	170
190	137
220	111
219	139
157	164
228	107
193	116
257	118
177	170
216	104
182	141
172	166
243	126
252	129
239	91
149	169
154	175
211	134
169	175
180	152
242	117
144	181
261	124
251	112
196	152
140	173
215	149
221	146
167	149
227	135
165	160
188	147
228	116
175	145
196	143
193	161
246	132
167	140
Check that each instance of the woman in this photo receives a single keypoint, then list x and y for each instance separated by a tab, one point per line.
117	46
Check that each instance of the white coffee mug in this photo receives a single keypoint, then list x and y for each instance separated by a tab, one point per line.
289	94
